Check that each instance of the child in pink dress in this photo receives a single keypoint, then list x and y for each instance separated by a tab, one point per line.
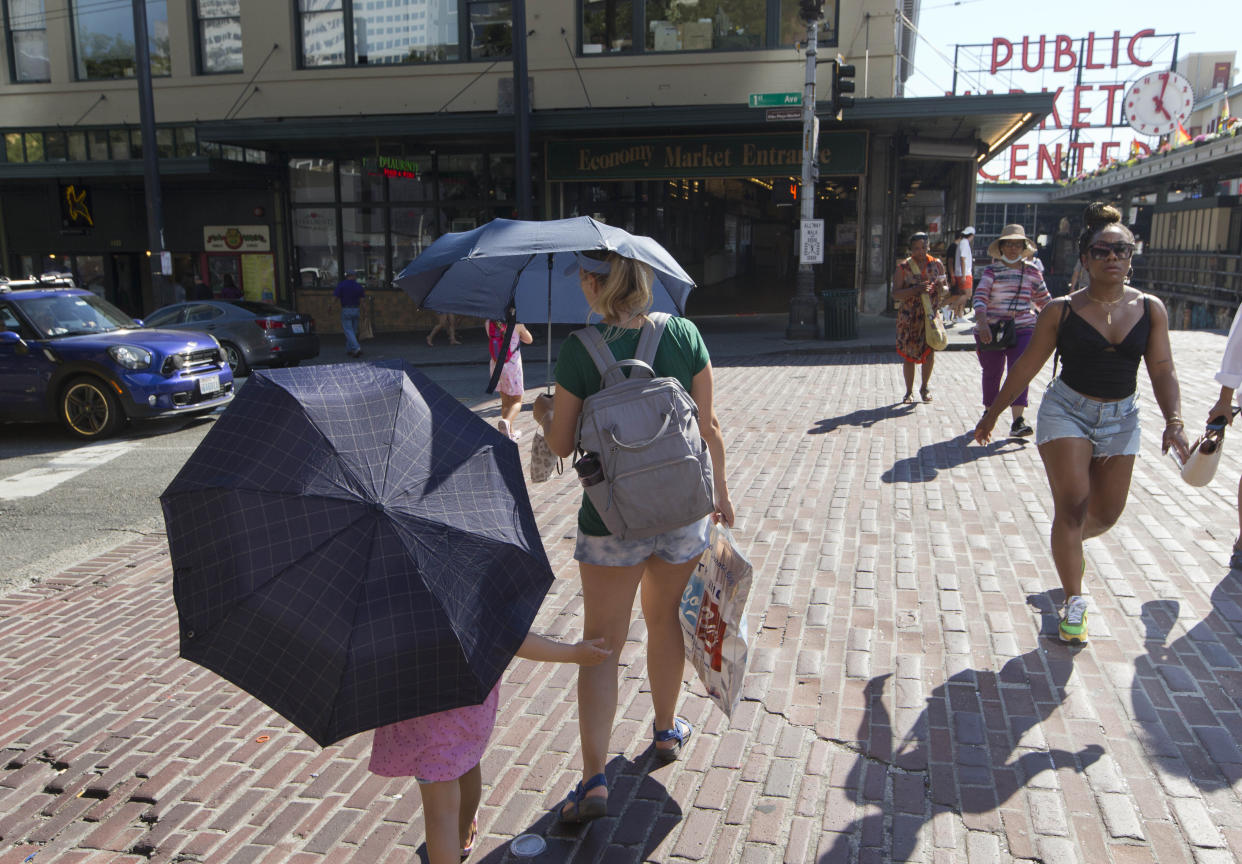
442	751
511	385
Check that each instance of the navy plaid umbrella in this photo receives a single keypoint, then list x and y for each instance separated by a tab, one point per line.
353	547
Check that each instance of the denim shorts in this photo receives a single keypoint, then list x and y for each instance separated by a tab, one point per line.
676	547
1111	427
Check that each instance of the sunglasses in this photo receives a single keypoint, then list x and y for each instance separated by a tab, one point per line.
1101	251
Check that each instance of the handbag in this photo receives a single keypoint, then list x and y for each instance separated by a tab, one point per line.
1005	331
713	618
933	327
542	459
1200	466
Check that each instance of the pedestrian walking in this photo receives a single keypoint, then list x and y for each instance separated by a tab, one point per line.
964	269
511	385
613	570
918	275
1010	294
349	294
1088	421
444	321
1229	376
442	752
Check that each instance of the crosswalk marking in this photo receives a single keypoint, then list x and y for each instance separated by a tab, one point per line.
66	466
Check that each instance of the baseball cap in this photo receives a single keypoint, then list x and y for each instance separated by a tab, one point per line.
969	229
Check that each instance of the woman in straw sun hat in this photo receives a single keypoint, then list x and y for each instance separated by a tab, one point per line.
1010	289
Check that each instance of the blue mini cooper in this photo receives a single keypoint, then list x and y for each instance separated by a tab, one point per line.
67	355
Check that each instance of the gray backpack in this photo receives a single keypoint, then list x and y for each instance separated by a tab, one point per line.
657	473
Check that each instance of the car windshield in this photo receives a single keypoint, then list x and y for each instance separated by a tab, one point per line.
74	315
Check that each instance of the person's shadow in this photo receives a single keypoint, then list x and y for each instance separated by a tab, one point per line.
954	755
931	459
864	418
641	815
1180	689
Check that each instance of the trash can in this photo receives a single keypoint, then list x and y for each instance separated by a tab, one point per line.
840	314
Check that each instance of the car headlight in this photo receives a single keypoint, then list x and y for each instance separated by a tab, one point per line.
130	356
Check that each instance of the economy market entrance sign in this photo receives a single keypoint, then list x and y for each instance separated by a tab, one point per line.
757	155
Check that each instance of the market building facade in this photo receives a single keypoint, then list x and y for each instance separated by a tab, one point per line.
296	143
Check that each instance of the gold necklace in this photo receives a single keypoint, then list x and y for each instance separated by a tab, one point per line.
1107	304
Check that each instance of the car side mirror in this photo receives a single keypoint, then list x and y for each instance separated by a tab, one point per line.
9	337
139	322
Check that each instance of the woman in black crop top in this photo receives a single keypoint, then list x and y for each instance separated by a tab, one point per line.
1087	428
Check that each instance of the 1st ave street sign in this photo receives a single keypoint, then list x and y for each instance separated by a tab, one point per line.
775	100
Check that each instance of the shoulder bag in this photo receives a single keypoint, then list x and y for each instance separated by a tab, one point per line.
1005	331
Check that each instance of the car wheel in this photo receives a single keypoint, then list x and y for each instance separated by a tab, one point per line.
89	409
237	360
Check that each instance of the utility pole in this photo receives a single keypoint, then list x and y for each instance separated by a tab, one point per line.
160	295
521	113
802	304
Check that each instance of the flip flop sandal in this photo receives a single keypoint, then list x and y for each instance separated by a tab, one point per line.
681	732
907	399
474	836
581	808
925	395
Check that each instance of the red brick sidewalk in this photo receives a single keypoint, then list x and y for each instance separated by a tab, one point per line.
901	703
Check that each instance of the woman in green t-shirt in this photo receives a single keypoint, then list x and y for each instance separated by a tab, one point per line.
613	570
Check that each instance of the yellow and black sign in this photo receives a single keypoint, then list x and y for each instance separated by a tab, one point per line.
757	155
76	211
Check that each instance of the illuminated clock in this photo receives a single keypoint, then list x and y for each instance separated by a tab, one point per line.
1156	103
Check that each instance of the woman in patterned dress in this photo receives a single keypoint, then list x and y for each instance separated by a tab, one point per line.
917	275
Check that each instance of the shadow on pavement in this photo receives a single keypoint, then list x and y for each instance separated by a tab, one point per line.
641	814
931	459
959	753
863	418
1181	689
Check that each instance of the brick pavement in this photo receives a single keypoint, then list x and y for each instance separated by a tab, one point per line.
904	701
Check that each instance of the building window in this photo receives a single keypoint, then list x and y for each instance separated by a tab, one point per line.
27	37
104	39
219	36
388	32
626	26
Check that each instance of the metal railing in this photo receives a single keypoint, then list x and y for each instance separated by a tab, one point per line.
1202	290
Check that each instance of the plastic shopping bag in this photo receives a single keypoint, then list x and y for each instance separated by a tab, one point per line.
713	618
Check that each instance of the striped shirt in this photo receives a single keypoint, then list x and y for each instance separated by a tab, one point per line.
1011	292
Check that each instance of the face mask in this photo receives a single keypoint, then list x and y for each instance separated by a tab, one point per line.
1011	261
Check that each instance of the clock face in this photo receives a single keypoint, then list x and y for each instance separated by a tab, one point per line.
1156	103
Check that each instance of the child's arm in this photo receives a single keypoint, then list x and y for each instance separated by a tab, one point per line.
586	653
524	335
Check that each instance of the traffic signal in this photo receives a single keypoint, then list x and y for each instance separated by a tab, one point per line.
810	10
842	82
784	191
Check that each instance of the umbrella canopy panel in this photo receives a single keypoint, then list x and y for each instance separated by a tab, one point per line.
479	272
353	547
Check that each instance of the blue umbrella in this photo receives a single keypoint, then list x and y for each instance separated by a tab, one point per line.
511	263
353	547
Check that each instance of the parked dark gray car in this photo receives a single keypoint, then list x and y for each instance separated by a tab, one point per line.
251	333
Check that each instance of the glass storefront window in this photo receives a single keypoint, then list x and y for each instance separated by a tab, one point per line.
89	273
105	39
13	151
311	180
607	26
727	25
219	35
419	188
77	146
360	184
54	146
502	177
135	143
323	32
34	147
28	40
363	231
164	143
491	29
314	240
404	31
413	230
454	219
186	145
461	176
98	140
119	139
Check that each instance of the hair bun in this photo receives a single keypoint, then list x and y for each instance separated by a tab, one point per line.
1100	215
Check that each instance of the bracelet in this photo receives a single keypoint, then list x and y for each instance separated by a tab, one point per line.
1174	423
